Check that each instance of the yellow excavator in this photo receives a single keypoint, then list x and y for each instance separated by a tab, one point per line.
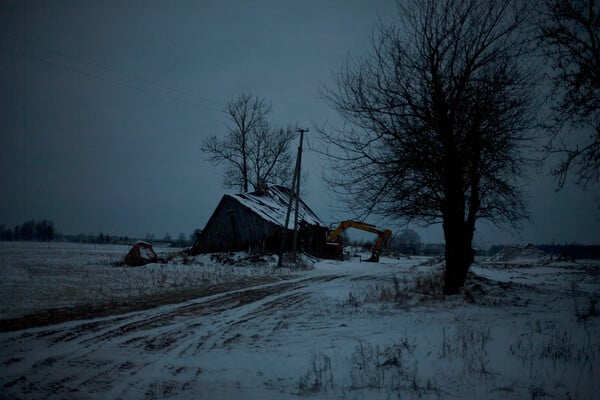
382	237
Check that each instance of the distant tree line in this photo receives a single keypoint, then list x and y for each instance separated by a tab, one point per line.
45	231
181	241
407	242
94	239
42	231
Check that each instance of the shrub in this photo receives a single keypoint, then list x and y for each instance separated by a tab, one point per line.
319	376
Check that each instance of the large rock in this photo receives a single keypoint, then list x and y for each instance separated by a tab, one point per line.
141	253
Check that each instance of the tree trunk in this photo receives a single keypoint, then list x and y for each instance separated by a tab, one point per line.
459	256
459	253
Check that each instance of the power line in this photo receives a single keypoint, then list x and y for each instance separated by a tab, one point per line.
134	77
194	98
113	81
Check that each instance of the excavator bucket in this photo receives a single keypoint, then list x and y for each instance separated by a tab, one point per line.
374	258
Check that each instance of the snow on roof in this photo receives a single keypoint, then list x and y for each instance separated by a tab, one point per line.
272	206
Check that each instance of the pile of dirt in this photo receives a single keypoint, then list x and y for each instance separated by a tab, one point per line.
520	254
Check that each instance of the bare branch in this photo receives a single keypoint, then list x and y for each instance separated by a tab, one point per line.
436	120
252	150
569	34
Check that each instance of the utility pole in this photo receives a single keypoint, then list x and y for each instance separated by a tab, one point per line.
294	194
299	163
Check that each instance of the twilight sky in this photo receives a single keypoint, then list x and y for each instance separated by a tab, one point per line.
104	106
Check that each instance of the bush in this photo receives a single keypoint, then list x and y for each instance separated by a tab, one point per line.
319	376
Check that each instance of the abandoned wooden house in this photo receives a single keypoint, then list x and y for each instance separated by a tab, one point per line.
255	221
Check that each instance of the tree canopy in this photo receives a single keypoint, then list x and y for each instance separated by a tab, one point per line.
569	34
252	150
437	117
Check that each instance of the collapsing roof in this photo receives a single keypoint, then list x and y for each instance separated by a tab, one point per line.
256	220
272	205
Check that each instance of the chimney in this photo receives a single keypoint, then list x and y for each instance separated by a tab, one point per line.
261	187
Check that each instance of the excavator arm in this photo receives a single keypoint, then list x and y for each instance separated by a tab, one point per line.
382	236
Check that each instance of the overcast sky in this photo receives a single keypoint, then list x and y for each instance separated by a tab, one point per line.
104	106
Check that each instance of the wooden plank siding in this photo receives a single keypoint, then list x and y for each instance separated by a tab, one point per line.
233	226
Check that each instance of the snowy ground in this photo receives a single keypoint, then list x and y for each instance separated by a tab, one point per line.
342	330
41	276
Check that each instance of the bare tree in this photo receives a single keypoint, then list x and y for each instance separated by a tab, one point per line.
253	150
407	242
437	118
570	38
269	156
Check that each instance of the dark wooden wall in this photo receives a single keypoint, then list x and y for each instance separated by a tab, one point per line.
234	227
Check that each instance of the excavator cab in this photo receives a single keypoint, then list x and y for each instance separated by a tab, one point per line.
337	249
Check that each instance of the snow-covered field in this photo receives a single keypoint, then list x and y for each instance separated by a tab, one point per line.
39	276
341	330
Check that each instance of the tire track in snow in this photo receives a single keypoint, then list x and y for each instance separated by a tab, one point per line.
136	303
117	356
213	335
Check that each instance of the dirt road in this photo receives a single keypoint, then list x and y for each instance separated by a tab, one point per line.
139	303
154	353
